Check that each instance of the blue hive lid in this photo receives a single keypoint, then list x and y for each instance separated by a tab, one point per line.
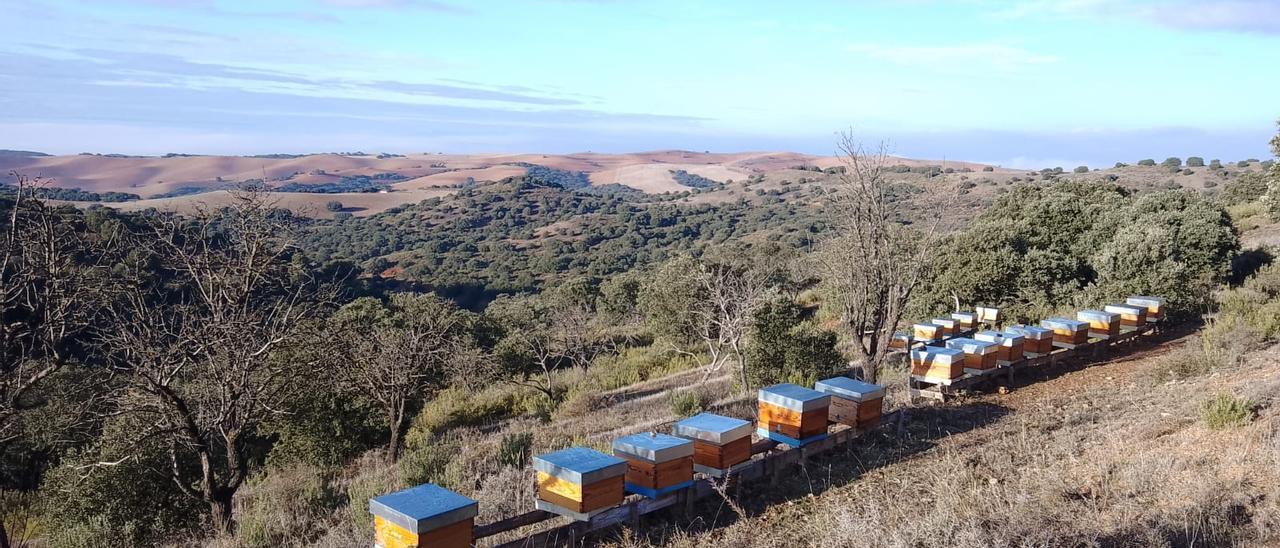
653	447
717	429
794	397
423	508
580	465
850	389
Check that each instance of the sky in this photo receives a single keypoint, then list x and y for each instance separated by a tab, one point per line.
1018	83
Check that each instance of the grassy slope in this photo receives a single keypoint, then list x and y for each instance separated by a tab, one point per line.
1106	455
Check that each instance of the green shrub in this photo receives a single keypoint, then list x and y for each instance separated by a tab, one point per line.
988	168
284	506
1227	411
1195	161
686	403
1082	169
1172	161
1147	162
376	478
515	449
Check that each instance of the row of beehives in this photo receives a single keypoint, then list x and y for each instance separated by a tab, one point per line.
581	482
939	353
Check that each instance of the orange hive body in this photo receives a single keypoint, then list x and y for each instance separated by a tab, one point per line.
719	442
424	516
792	414
939	363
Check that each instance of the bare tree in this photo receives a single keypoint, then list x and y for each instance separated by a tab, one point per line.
708	306
207	350
400	353
876	258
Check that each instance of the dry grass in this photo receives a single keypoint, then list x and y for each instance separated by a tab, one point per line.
1092	458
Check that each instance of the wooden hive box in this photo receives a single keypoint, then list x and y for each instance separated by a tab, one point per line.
425	516
657	464
1130	315
1038	339
900	341
1009	347
979	356
854	403
579	482
719	443
792	414
1102	325
1067	332
937	363
988	315
926	332
1154	306
948	326
965	320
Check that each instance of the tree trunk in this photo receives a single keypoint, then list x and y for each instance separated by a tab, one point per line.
4	537
220	511
396	420
869	369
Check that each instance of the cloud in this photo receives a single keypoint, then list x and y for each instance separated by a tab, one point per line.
1244	16
960	56
388	4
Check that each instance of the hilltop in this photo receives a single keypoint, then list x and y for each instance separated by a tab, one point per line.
367	184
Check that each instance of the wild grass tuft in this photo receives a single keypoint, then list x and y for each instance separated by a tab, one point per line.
1227	411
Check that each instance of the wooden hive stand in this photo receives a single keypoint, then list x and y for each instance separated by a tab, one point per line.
720	444
1102	325
979	356
792	414
1131	317
579	482
657	464
426	516
1010	346
853	403
1067	333
1038	342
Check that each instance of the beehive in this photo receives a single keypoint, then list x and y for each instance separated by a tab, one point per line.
792	414
979	355
657	464
579	482
1130	315
900	341
1102	325
937	363
424	516
1154	306
854	403
1010	345
1038	339
719	443
988	315
948	326
965	320
926	332
1067	332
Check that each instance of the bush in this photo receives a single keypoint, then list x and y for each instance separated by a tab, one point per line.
1187	172
686	403
1215	164
333	205
283	507
1121	164
515	449
988	168
1082	169
1227	411
1242	163
1195	161
1172	161
1147	162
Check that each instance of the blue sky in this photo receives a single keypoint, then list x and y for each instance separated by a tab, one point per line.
1027	83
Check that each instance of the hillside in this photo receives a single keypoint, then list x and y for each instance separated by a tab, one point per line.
366	184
